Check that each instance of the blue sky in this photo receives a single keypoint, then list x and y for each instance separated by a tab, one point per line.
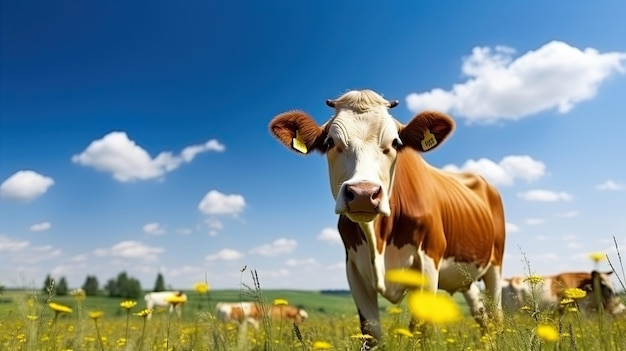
133	137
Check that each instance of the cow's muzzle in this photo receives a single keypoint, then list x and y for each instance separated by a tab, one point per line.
362	197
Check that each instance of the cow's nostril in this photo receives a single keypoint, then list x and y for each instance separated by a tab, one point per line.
349	194
376	194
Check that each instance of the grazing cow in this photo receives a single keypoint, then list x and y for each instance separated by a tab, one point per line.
518	292
174	299
395	210
252	312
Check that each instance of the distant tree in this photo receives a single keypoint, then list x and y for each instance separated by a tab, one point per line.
91	285
61	287
49	285
124	286
159	285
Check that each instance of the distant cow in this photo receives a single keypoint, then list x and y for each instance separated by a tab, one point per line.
174	299
395	210
518	292
252	312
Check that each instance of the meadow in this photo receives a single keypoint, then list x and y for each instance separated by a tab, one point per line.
32	320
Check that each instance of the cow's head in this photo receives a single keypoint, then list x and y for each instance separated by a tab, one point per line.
361	141
610	301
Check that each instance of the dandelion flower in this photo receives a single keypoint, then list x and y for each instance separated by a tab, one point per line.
403	332
322	345
176	299
394	310
533	279
597	256
574	293
58	308
280	302
434	308
362	336
95	314
408	277
566	301
32	317
143	313
201	288
79	294
547	332
128	304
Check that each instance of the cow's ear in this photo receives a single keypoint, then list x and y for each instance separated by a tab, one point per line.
427	130
298	132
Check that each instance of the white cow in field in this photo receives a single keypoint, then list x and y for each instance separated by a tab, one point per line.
252	312
174	299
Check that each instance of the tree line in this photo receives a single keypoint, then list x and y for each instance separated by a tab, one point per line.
123	286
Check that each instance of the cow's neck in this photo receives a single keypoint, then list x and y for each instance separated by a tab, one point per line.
376	245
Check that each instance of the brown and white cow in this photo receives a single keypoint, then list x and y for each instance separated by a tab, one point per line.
518	292
252	312
397	211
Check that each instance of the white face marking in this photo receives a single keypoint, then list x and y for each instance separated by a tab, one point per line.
362	153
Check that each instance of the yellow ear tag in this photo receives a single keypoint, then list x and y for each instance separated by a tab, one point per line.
429	140
298	144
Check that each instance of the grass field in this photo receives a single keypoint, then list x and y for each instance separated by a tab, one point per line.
333	324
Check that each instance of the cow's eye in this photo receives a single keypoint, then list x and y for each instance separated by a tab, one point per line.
329	143
396	143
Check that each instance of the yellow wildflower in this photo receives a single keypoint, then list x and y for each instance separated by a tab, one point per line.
362	336
394	310
403	332
574	293
176	299
547	332
143	313
32	317
408	277
58	308
322	345
128	304
566	301
597	256
434	308
533	279
79	294
280	302
95	314
201	288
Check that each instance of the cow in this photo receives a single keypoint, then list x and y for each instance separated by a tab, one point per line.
253	312
395	210
518	292
174	299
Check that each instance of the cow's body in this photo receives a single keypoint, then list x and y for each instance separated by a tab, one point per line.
252	312
518	292
395	210
162	299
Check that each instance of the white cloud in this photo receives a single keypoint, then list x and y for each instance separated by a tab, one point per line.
541	195
131	249
9	245
568	214
153	228
278	247
224	255
511	228
504	172
330	235
216	203
501	86
25	186
117	154
611	185
534	221
214	226
40	227
304	262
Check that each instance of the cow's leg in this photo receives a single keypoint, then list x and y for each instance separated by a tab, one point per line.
429	270
476	304
366	302
149	306
493	285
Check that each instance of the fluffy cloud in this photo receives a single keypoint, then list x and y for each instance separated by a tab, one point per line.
500	86
117	154
153	228
330	235
224	255
40	227
511	228
25	186
611	185
131	249
541	195
216	203
278	247
10	245
506	171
